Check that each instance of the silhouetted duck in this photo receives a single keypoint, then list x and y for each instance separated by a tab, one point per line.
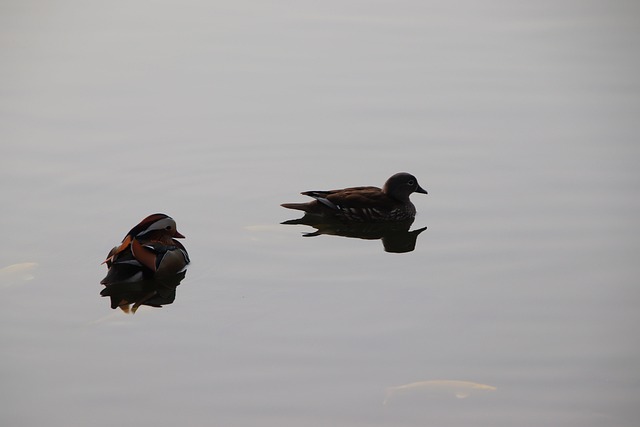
148	250
361	204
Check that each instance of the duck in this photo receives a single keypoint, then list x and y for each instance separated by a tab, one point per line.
149	250
365	204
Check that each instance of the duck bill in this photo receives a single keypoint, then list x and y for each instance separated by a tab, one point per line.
178	235
421	190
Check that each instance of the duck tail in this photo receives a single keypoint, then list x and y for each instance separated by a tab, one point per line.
298	206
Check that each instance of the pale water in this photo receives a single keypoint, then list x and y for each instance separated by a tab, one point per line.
517	307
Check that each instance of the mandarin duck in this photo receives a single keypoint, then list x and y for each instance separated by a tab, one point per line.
149	250
365	204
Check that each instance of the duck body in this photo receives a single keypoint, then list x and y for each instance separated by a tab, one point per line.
149	250
365	204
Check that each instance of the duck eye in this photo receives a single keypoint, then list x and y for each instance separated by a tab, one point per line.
410	182
168	227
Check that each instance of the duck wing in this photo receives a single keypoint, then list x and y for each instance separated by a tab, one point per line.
355	203
153	254
353	197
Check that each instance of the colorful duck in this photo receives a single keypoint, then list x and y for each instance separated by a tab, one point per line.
148	250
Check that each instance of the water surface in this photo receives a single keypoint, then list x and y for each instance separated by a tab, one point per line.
520	119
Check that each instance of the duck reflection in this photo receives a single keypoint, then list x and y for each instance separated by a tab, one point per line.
395	236
129	296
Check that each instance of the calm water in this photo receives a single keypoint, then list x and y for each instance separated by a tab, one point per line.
518	306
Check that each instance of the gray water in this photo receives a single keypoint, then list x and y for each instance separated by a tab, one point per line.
517	307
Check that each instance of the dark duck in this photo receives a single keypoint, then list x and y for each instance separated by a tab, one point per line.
365	204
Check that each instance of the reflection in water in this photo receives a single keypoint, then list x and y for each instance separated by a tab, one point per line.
395	236
152	292
459	389
15	274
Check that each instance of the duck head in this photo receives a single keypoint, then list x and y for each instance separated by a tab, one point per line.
159	227
401	185
157	223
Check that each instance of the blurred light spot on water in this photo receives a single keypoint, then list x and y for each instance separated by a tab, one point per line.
16	274
263	227
454	388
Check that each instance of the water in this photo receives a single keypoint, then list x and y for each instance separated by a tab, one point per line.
520	119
